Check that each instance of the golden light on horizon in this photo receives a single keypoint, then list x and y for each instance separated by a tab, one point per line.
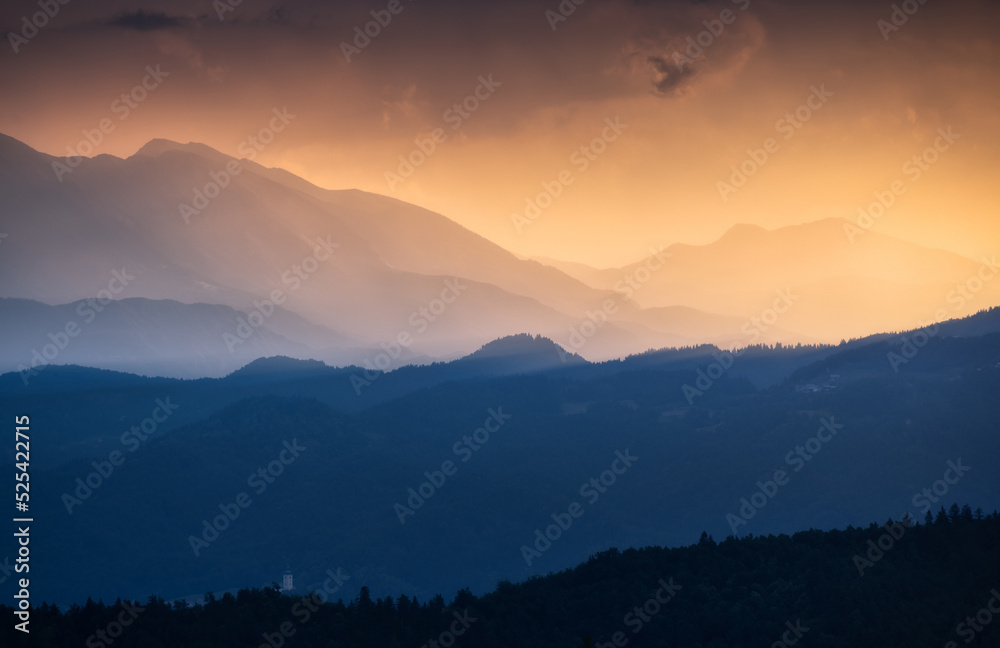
690	120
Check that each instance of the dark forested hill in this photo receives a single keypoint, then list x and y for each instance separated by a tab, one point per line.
456	482
893	585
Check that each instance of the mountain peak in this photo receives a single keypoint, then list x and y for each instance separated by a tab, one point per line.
513	345
534	351
159	146
742	229
11	147
269	367
745	230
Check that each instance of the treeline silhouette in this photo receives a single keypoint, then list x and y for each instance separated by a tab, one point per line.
902	583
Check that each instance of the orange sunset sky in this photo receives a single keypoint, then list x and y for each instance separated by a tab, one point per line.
888	95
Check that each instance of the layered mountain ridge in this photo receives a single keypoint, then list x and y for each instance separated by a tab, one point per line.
359	273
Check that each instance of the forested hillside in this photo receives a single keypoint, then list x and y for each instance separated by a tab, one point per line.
900	584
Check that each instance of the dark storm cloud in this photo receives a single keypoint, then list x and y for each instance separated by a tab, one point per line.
146	20
668	78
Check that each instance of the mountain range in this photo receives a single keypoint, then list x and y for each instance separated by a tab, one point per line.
213	261
433	478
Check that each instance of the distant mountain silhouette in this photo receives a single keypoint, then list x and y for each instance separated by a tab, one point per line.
162	337
369	267
846	282
193	225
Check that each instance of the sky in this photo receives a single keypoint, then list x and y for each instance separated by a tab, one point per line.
621	122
